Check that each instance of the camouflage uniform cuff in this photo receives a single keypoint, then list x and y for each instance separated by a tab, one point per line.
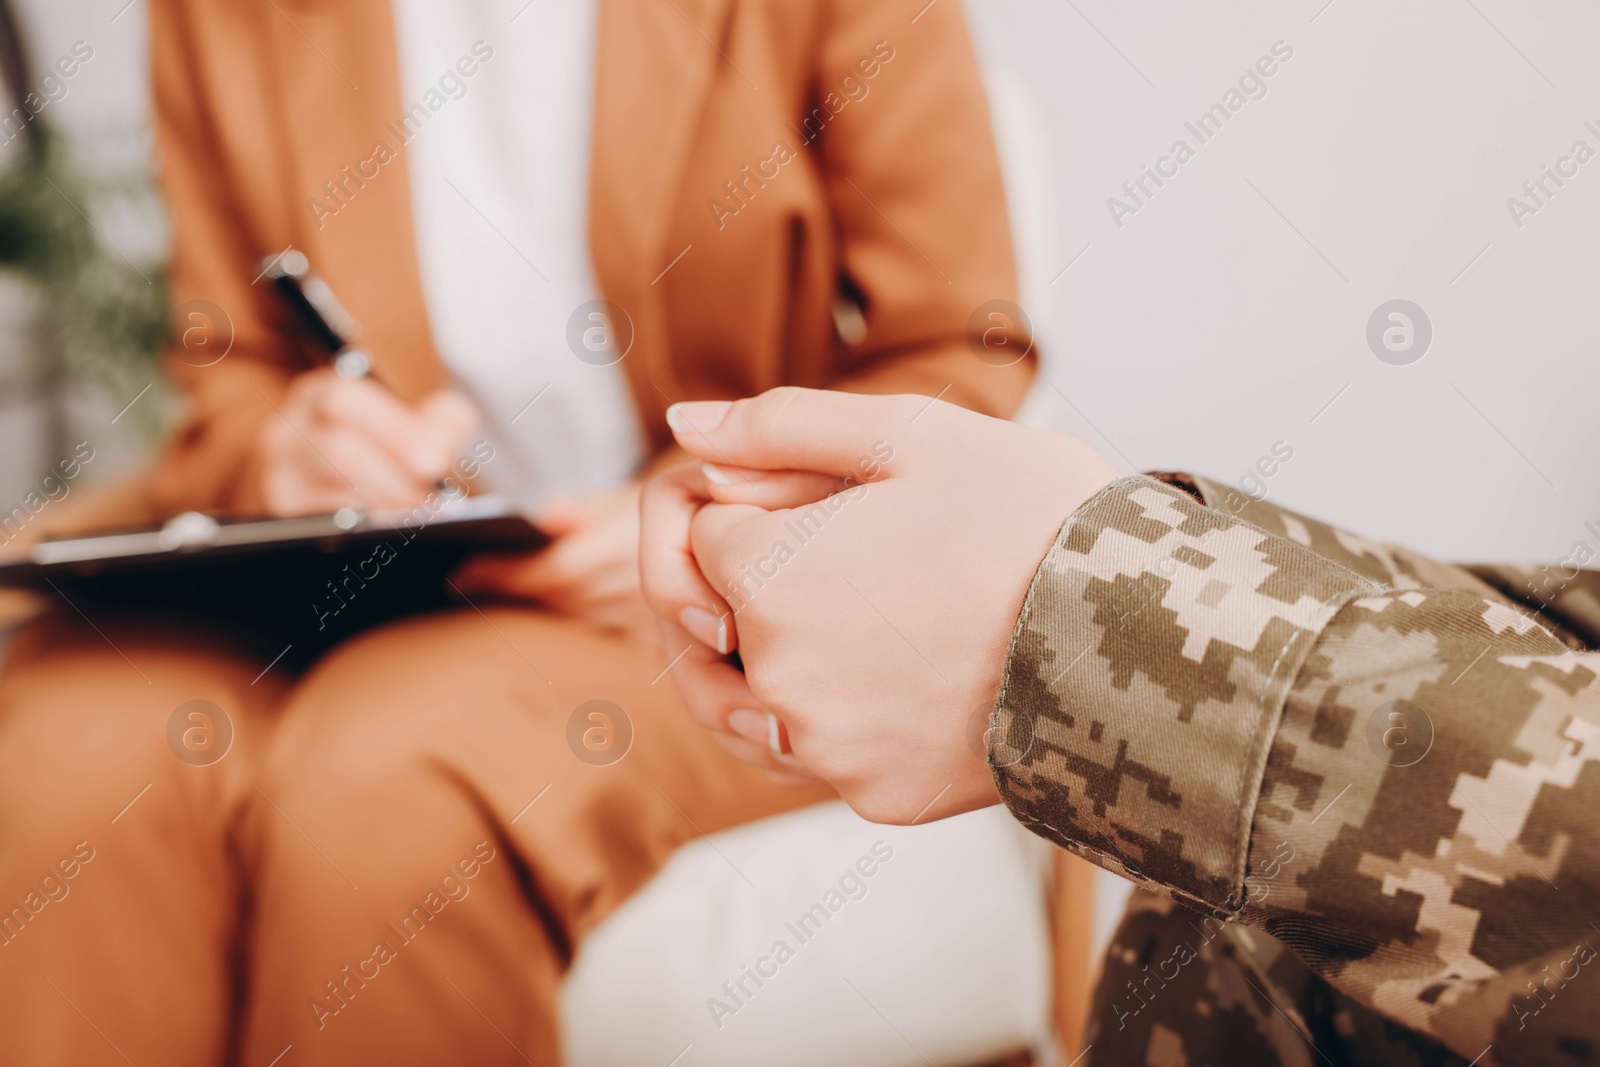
1145	682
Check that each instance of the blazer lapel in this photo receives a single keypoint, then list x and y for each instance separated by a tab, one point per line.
351	214
655	63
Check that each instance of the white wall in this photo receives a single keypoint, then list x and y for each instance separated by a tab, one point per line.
1228	312
111	93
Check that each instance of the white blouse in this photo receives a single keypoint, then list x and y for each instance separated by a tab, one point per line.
499	162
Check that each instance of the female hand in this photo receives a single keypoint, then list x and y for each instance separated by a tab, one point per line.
589	572
352	442
868	556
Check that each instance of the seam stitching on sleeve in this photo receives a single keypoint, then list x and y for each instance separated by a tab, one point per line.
1267	735
1129	872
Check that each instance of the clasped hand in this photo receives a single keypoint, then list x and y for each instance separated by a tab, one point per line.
868	556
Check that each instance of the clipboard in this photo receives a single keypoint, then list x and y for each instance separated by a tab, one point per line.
318	576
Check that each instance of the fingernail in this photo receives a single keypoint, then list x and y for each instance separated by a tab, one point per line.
777	736
697	416
720	475
705	628
750	725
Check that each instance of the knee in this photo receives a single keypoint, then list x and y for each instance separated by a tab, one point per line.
382	765
383	707
90	722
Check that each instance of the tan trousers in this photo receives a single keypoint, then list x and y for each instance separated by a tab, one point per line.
392	863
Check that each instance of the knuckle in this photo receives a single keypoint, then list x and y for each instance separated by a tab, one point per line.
342	453
306	388
747	417
559	575
337	403
666	590
277	440
300	387
656	498
657	593
776	404
783	395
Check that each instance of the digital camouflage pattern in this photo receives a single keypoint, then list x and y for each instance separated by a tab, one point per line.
1359	789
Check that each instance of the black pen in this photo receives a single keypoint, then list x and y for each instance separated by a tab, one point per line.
322	318
319	313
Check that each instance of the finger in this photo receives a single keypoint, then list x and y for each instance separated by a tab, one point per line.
492	574
367	407
782	770
451	418
605	595
711	687
330	471
773	490
719	698
545	577
727	541
356	460
561	515
842	434
566	565
674	586
289	492
294	480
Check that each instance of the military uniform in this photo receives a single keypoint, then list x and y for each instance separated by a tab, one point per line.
1359	790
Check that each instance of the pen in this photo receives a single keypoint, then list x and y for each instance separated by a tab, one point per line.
322	318
319	313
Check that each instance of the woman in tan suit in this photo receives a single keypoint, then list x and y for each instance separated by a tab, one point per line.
551	224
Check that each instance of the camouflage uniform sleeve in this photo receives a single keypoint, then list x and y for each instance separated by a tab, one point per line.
1390	777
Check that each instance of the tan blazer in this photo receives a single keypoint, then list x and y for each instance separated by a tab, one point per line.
751	162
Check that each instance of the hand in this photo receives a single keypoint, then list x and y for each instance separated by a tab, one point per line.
697	627
868	556
352	442
589	572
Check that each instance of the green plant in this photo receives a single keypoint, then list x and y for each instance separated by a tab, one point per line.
99	320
